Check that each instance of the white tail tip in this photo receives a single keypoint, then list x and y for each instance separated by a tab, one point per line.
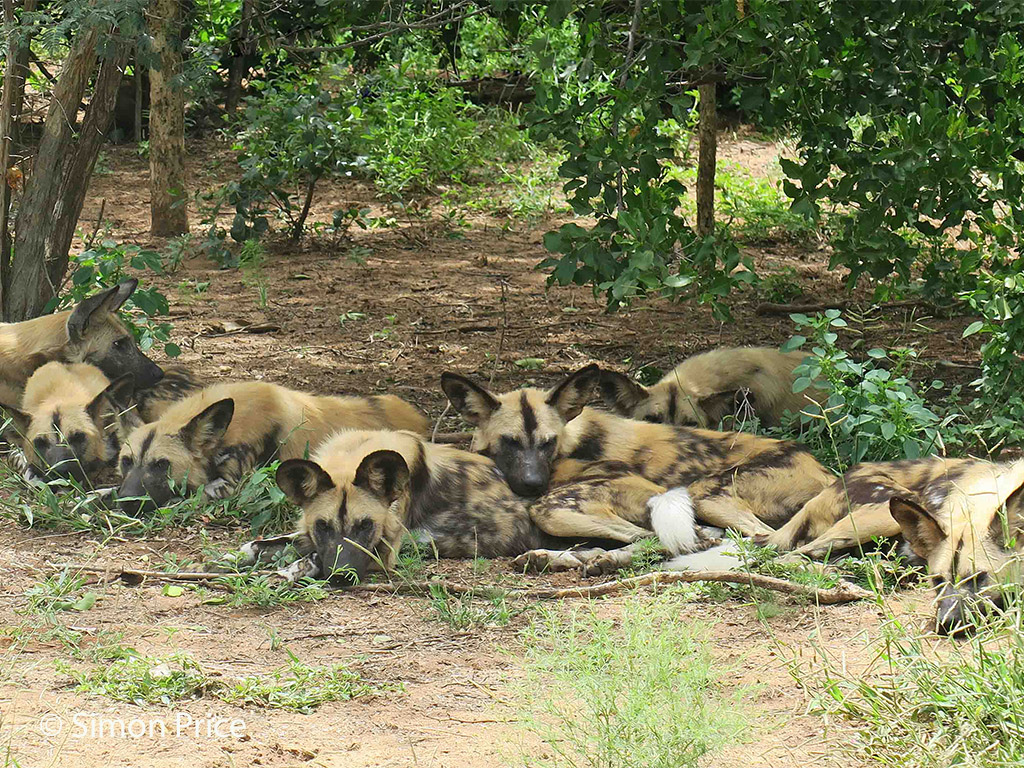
672	520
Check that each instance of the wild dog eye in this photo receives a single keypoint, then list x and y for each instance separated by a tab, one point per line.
126	465
77	438
122	343
40	444
653	419
548	445
160	466
511	443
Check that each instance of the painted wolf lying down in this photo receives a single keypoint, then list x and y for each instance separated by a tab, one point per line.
363	489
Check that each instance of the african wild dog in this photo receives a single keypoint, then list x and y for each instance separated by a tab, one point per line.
216	436
949	512
705	388
737	480
89	333
363	489
67	423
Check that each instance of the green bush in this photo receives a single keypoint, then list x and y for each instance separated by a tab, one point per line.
872	413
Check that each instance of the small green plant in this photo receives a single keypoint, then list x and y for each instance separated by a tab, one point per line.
61	592
470	610
780	287
639	690
143	680
872	413
300	687
252	591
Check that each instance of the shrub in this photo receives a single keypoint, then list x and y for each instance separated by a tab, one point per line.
872	413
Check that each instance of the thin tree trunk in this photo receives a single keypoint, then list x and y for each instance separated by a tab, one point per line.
6	123
707	155
241	49
137	72
300	222
78	165
167	123
29	287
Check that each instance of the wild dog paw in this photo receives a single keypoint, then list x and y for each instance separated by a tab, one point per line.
605	563
547	561
217	489
303	568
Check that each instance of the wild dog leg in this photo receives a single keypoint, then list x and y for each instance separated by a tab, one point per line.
859	489
250	553
727	511
555	560
865	523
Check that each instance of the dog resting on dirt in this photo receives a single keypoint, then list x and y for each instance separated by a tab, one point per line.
739	481
90	333
705	388
216	436
964	518
363	489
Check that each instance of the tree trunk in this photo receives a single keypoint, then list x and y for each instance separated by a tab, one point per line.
708	152
167	122
78	165
137	77
29	288
241	50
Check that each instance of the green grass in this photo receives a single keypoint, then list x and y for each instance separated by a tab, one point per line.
639	690
255	591
929	702
143	680
62	591
299	687
470	610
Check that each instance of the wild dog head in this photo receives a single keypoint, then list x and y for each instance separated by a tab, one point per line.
521	430
98	336
350	523
70	434
666	402
973	556
158	464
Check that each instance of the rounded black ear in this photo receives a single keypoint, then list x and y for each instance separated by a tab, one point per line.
621	393
205	430
569	397
118	395
471	400
385	474
302	480
90	307
921	531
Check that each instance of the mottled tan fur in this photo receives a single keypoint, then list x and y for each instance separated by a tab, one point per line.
705	388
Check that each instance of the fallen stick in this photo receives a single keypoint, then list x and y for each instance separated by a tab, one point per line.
844	592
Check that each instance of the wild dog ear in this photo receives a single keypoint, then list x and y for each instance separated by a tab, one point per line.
921	531
717	406
205	431
471	400
302	480
1008	527
115	397
384	474
14	422
569	397
94	306
621	393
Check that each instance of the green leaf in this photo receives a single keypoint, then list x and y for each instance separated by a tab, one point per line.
973	328
86	602
173	590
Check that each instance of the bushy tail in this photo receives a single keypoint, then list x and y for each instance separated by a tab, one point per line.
672	520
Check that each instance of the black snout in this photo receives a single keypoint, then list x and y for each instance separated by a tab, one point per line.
950	615
527	475
140	494
131	360
345	559
958	608
149	373
61	462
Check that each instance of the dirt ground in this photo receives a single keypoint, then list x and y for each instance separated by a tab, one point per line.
432	298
